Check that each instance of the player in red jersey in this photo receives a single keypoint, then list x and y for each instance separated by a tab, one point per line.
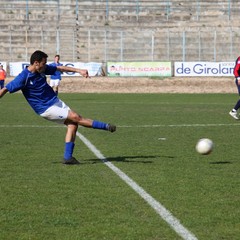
236	72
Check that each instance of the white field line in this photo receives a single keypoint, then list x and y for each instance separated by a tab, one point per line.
181	125
158	207
128	126
31	126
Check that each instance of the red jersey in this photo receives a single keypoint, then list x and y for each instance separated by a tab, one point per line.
236	70
2	74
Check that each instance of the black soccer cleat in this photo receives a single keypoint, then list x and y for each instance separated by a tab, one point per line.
111	128
71	161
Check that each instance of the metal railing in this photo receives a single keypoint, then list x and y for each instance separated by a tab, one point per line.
103	46
196	9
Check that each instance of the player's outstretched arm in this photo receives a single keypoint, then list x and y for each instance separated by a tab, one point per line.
3	91
83	72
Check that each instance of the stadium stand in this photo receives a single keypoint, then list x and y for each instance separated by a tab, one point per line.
104	30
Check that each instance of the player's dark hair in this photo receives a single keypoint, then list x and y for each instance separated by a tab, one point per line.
38	56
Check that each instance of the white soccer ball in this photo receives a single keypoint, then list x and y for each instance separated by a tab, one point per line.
204	146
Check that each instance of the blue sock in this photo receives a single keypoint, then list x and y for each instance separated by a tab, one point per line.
99	125
69	146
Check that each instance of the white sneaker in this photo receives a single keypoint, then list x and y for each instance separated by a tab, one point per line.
234	115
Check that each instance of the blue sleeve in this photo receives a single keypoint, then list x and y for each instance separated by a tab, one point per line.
17	83
52	64
50	70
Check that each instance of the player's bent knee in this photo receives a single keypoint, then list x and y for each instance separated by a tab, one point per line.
74	117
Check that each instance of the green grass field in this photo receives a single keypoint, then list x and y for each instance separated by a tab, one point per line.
154	145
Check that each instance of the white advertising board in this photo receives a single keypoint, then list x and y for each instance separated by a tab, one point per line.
93	68
139	69
203	69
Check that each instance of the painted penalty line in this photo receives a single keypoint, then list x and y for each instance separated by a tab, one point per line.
158	207
130	126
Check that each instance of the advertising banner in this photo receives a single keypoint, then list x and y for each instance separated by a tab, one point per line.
203	69
139	69
94	69
16	67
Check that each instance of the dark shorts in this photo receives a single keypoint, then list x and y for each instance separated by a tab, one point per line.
1	83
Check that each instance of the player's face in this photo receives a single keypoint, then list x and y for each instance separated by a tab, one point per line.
57	59
40	66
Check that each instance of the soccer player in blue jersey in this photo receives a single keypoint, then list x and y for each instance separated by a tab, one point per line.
56	77
41	97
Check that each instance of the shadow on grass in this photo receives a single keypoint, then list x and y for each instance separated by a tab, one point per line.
127	159
221	162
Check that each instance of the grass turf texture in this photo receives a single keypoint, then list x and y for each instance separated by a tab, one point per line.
154	145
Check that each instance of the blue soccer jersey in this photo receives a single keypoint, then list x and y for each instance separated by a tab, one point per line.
57	74
35	88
